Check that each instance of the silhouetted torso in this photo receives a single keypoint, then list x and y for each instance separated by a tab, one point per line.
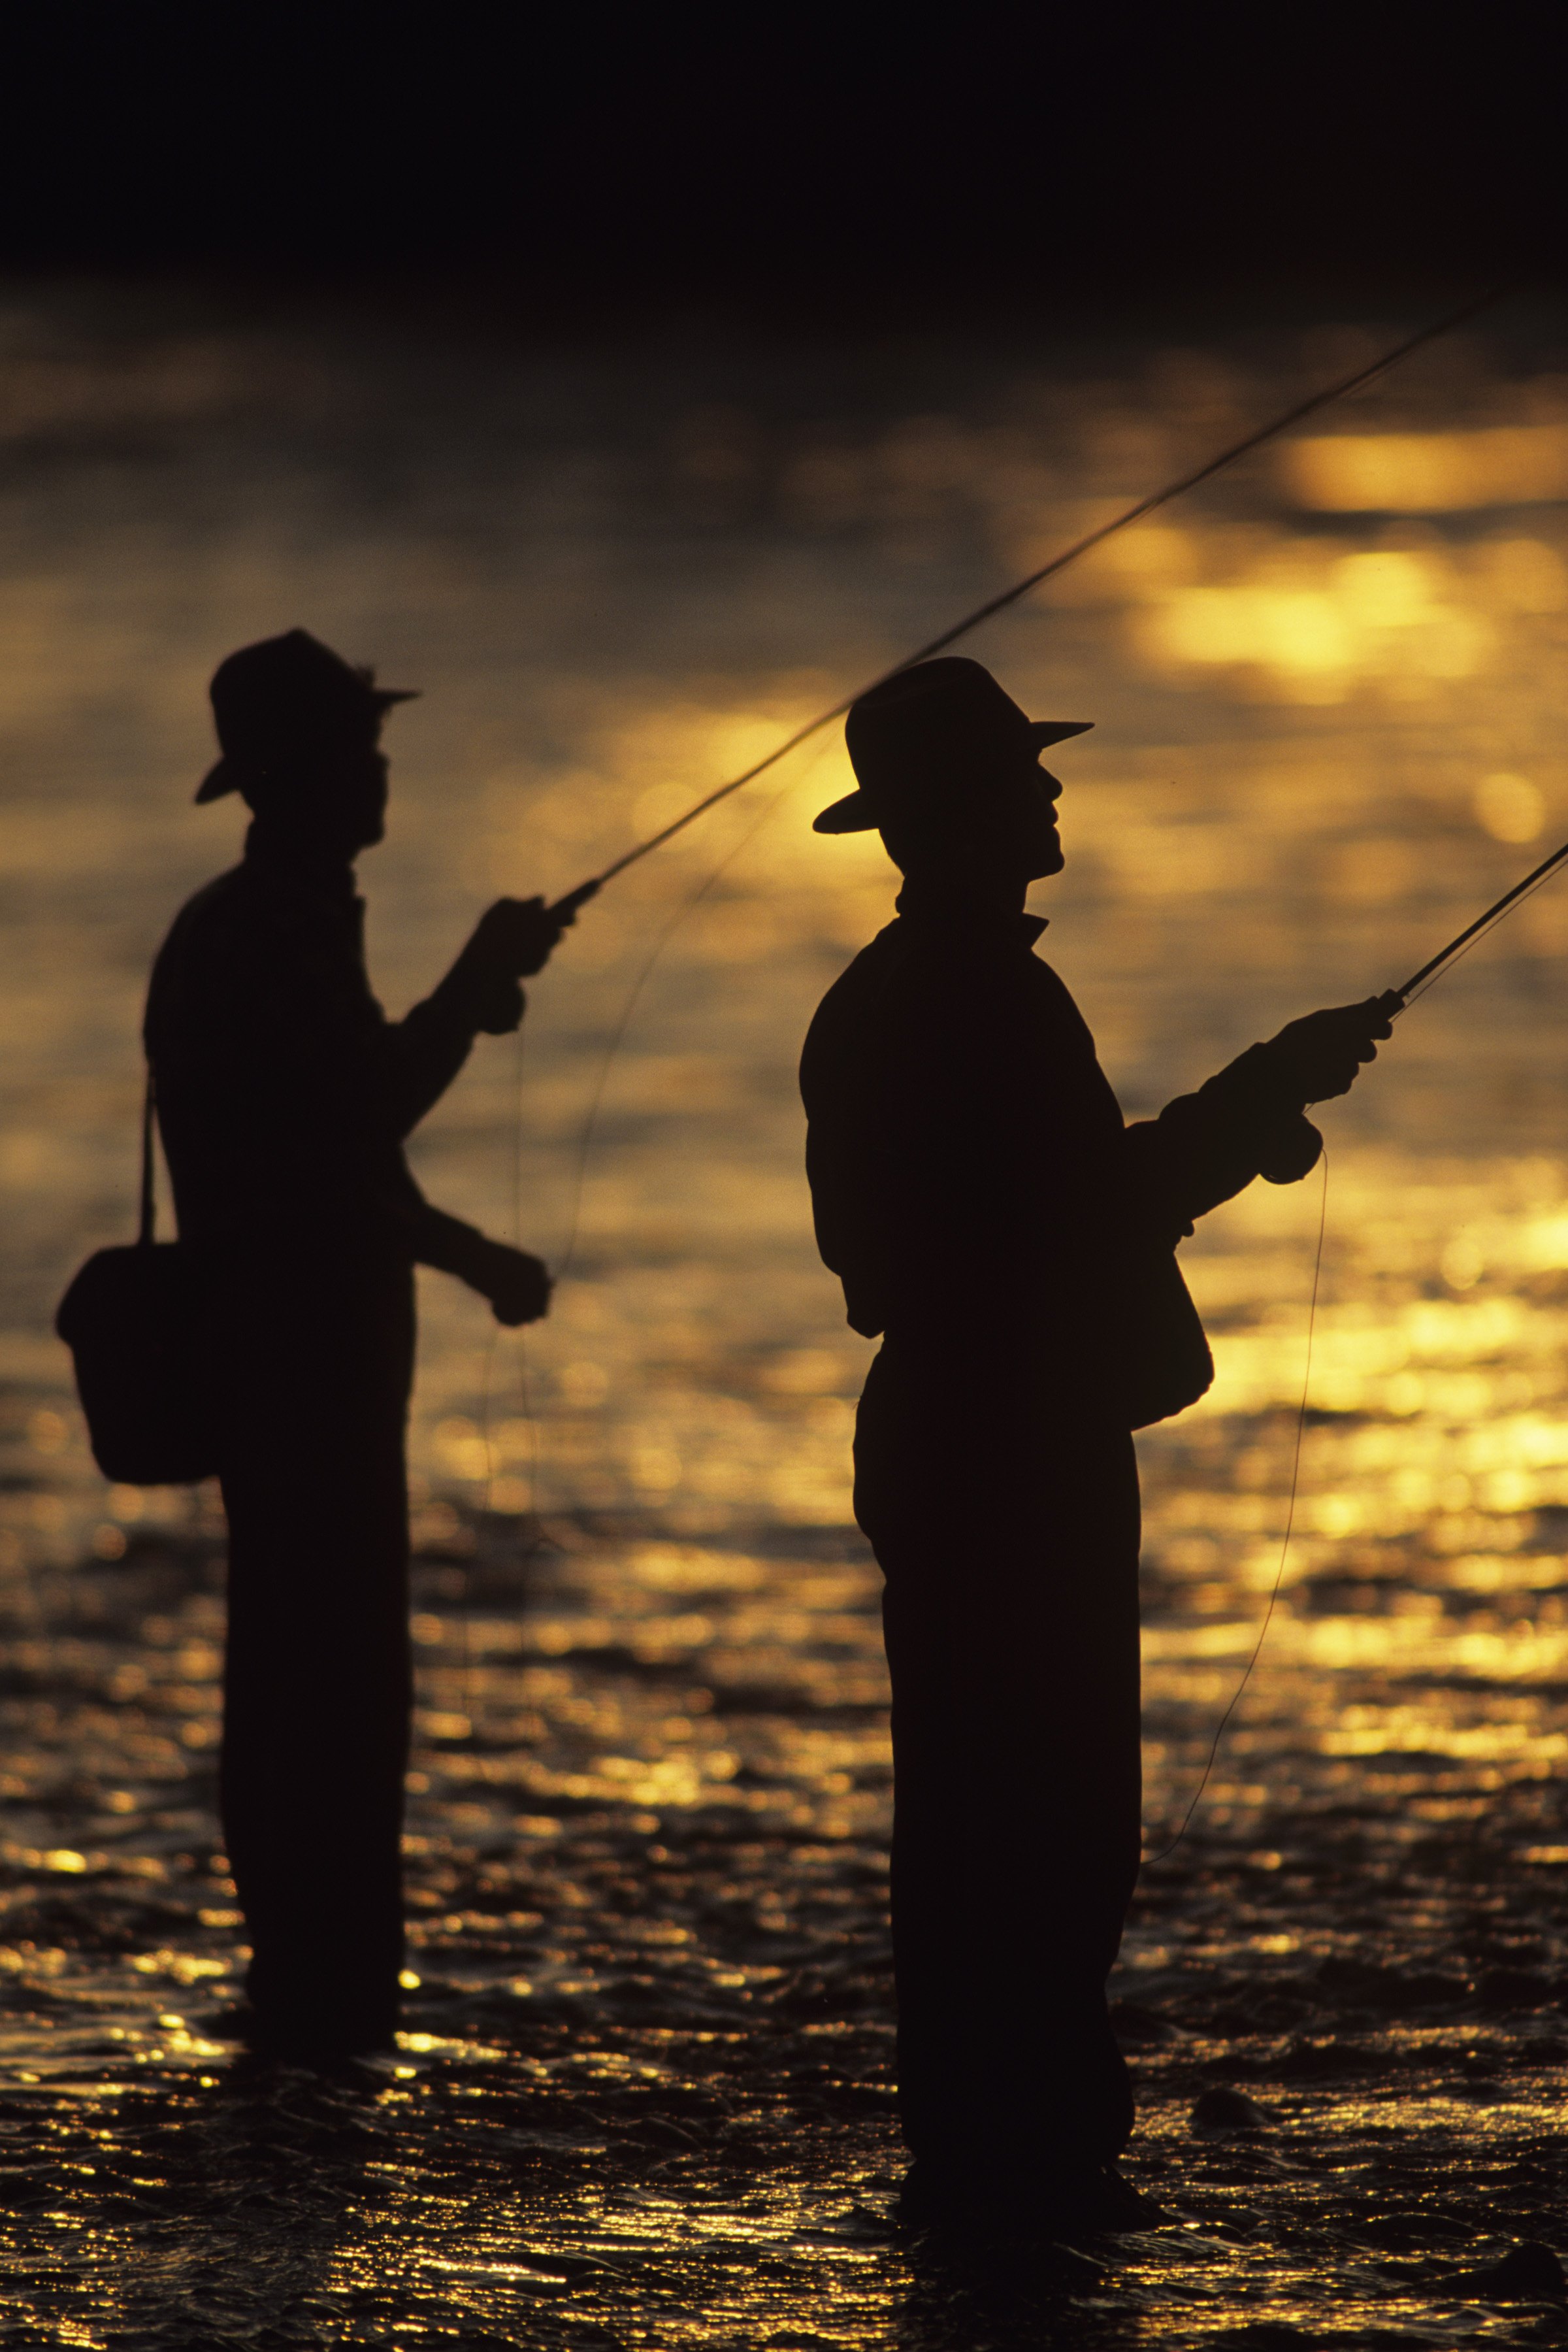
284	1092
943	1076
971	1173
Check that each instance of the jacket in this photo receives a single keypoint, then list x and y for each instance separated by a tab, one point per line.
973	1180
284	1092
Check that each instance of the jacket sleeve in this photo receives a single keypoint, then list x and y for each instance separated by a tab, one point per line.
433	1238
1206	1147
425	1050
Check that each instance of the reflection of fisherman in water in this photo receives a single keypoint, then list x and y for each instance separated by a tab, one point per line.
284	1097
991	1216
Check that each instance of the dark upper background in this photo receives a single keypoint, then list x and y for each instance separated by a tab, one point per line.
871	160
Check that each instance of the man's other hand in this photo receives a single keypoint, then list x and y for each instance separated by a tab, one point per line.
517	1286
514	937
1320	1056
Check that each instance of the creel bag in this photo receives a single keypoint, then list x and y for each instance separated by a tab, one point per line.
130	1321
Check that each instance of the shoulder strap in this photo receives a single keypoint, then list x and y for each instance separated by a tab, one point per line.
149	1205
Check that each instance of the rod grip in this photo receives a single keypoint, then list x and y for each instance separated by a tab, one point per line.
566	908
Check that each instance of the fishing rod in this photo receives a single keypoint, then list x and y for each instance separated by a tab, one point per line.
1394	1000
566	907
1399	998
1392	1003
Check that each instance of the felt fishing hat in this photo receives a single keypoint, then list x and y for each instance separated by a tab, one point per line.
932	726
284	697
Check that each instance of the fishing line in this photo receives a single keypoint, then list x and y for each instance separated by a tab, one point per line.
1355	382
580	1175
687	906
487	1378
524	1383
1414	989
1165	1852
492	1338
1474	933
525	1379
601	1077
1341	388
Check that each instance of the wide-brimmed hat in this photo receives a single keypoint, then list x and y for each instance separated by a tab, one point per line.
932	726
285	697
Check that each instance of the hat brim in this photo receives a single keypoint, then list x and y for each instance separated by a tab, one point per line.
863	812
224	775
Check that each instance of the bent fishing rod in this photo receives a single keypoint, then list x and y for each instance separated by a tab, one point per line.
566	907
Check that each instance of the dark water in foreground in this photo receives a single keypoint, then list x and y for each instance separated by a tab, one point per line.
645	2097
646	2093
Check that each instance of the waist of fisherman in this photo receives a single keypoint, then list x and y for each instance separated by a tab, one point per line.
1043	1346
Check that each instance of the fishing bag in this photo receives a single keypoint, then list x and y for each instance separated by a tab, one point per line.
1165	1363
130	1321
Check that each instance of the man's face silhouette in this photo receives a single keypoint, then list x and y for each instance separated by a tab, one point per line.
1023	812
1004	830
331	799
358	797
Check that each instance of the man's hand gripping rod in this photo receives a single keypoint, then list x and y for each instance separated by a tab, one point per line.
565	909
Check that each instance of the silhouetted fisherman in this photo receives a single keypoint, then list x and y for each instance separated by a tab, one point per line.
284	1097
976	1189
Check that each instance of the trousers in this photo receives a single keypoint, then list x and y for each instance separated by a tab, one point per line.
1006	1528
317	1685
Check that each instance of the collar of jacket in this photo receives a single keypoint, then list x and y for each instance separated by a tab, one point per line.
940	912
